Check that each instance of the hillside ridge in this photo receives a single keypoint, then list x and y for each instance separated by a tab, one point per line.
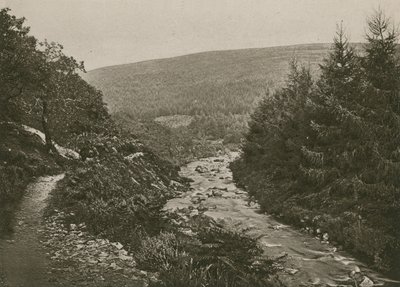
327	45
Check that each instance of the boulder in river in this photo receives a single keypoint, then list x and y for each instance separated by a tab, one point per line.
202	208
197	199
239	191
201	169
194	212
291	271
366	282
217	192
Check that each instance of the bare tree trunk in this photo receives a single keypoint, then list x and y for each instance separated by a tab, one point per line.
45	112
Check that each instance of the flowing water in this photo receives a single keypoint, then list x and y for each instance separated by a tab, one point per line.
307	260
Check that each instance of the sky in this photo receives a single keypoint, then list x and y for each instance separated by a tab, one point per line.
110	32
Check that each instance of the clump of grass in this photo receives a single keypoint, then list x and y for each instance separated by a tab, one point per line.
214	257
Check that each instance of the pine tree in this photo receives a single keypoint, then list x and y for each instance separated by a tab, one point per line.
335	122
271	150
340	71
381	62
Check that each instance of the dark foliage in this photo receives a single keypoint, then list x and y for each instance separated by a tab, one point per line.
326	154
40	87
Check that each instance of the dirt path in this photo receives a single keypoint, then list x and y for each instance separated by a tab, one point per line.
22	256
308	261
47	252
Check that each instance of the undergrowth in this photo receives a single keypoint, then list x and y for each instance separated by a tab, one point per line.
212	257
120	192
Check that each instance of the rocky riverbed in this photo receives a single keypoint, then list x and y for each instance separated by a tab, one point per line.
308	260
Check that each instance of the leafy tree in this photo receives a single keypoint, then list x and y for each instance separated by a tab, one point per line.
55	68
18	60
43	85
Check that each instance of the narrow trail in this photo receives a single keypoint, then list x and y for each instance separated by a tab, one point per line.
22	256
308	261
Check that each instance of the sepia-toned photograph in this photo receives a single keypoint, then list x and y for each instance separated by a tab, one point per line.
199	143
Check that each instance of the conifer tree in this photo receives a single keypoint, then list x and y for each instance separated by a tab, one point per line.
271	150
381	62
340	75
334	117
382	98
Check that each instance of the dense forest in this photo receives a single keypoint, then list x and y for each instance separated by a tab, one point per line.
114	186
324	152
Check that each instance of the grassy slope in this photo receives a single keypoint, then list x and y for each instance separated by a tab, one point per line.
209	82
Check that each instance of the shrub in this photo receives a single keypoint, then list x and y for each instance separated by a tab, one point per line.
214	257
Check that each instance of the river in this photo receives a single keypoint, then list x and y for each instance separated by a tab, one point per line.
308	261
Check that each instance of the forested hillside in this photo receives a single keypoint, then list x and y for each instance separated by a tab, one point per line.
323	152
218	90
205	83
